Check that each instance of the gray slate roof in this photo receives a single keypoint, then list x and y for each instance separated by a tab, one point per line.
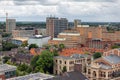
114	59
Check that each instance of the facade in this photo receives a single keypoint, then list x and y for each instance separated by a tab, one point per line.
69	63
92	37
19	41
35	76
55	25
69	39
10	25
99	44
39	40
7	71
22	33
106	67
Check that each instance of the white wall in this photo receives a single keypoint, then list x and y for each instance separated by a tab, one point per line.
40	41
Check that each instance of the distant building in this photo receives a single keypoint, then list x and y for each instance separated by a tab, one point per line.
7	71
22	33
77	22
39	40
10	25
19	40
55	25
69	39
35	76
69	62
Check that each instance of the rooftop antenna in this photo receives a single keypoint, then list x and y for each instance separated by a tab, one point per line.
6	15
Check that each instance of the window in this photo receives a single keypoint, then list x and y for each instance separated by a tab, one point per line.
65	62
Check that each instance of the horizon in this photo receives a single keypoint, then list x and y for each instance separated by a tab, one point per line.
38	10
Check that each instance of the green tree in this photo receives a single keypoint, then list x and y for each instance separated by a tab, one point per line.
97	55
33	46
45	61
61	46
64	69
115	46
34	61
7	46
24	44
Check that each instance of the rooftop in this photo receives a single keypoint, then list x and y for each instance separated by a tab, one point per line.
6	67
70	51
114	59
38	37
74	56
35	76
20	38
74	75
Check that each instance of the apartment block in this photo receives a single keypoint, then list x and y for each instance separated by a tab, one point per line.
55	25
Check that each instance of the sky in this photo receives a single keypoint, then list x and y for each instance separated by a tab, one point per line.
38	10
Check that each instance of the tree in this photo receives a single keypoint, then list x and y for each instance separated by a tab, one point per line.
6	46
45	61
115	46
33	62
61	46
97	55
64	69
24	44
33	46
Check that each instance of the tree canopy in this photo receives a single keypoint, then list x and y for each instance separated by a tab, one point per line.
97	55
33	46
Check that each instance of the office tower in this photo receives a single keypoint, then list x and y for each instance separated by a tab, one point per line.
77	22
10	25
55	25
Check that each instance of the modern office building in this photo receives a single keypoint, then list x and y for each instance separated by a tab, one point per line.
70	62
7	71
39	40
10	25
55	25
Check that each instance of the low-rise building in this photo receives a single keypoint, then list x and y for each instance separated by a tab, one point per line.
19	40
35	76
39	40
69	63
68	38
7	71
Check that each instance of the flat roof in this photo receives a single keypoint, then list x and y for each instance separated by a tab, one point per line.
6	67
38	37
69	33
20	38
35	76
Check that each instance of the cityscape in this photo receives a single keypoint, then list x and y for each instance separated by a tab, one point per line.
59	40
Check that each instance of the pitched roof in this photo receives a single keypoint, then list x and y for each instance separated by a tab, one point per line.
114	59
74	75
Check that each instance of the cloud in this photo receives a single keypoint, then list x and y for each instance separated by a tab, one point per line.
86	10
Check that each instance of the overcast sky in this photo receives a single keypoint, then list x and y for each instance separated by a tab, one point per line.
38	10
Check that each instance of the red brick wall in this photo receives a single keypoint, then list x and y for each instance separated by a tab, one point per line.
2	77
